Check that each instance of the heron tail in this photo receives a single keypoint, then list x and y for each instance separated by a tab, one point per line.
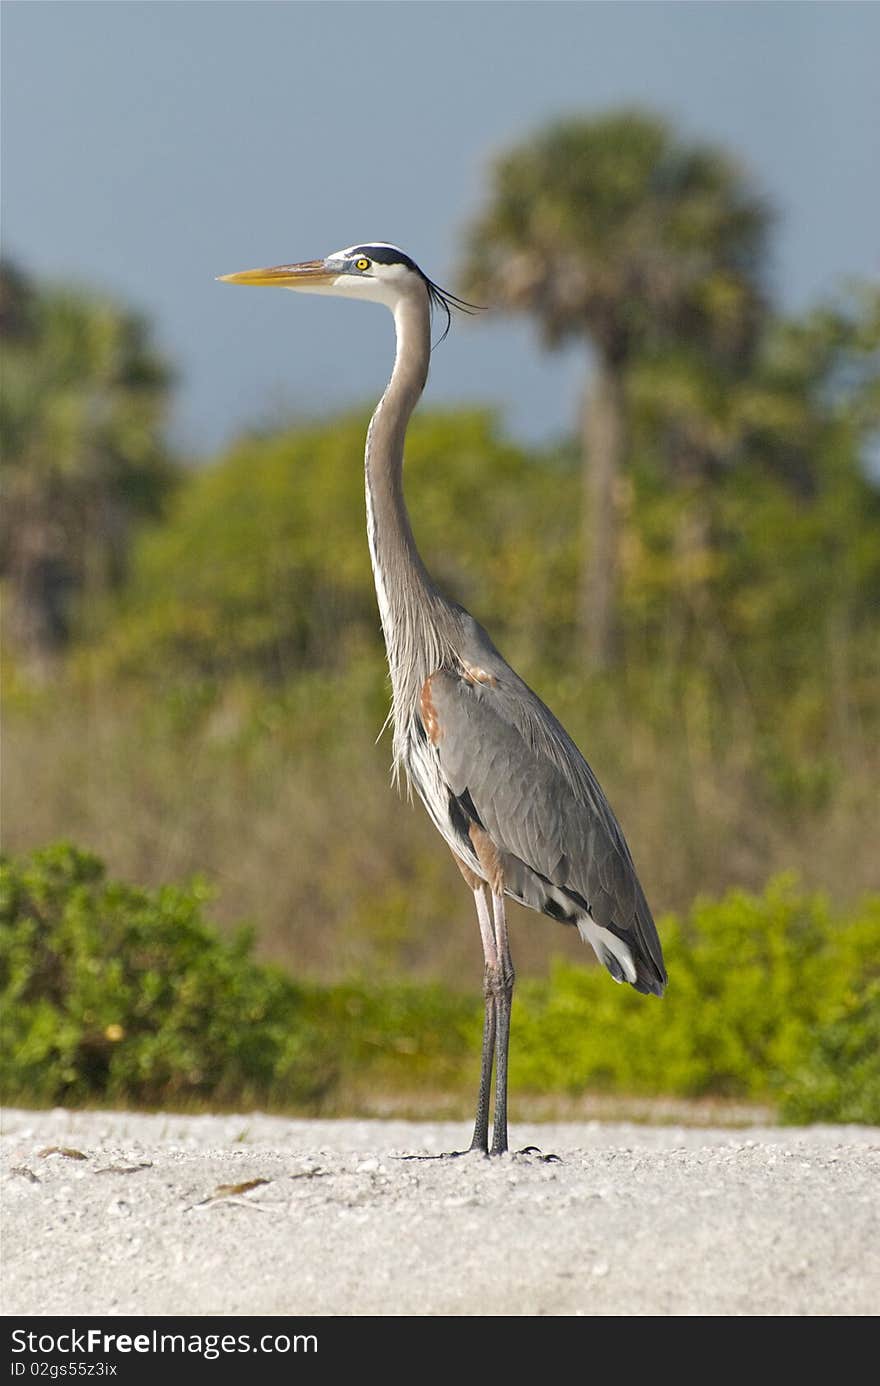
631	955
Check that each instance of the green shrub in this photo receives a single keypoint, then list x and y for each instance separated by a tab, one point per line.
760	1004
262	568
110	992
840	1080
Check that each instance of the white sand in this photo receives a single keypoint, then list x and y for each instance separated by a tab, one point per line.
635	1220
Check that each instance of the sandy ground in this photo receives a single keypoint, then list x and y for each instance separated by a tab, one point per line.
110	1213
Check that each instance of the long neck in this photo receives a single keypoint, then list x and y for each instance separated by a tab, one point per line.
413	614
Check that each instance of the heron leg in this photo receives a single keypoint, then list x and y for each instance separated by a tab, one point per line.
502	982
487	934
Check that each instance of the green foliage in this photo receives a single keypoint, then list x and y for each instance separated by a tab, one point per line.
758	569
262	568
840	1078
738	738
110	992
82	405
753	980
225	678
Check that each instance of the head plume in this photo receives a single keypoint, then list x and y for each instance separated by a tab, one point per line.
440	299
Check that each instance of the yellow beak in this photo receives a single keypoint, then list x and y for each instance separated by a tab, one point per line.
309	274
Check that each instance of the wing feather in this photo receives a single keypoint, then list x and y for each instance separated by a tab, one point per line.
502	750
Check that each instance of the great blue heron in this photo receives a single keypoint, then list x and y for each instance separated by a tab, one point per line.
502	781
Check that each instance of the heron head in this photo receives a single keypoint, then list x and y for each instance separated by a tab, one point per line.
375	271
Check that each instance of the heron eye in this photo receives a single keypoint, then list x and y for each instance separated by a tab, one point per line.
362	264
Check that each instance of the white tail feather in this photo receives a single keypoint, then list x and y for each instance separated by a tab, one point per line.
602	941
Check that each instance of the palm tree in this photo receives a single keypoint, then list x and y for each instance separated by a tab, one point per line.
82	403
615	231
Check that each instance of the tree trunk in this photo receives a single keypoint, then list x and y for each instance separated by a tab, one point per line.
39	590
604	450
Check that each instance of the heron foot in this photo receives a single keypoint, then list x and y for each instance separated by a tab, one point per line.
533	1152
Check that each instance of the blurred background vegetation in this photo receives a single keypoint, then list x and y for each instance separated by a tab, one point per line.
194	677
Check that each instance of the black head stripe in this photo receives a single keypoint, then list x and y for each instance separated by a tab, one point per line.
387	255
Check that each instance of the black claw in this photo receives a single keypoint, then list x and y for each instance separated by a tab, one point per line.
547	1159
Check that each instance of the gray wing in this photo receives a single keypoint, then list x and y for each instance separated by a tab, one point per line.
515	772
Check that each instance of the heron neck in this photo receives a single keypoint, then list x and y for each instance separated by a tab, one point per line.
392	546
410	608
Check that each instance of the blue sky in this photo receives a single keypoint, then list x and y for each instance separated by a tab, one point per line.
150	146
